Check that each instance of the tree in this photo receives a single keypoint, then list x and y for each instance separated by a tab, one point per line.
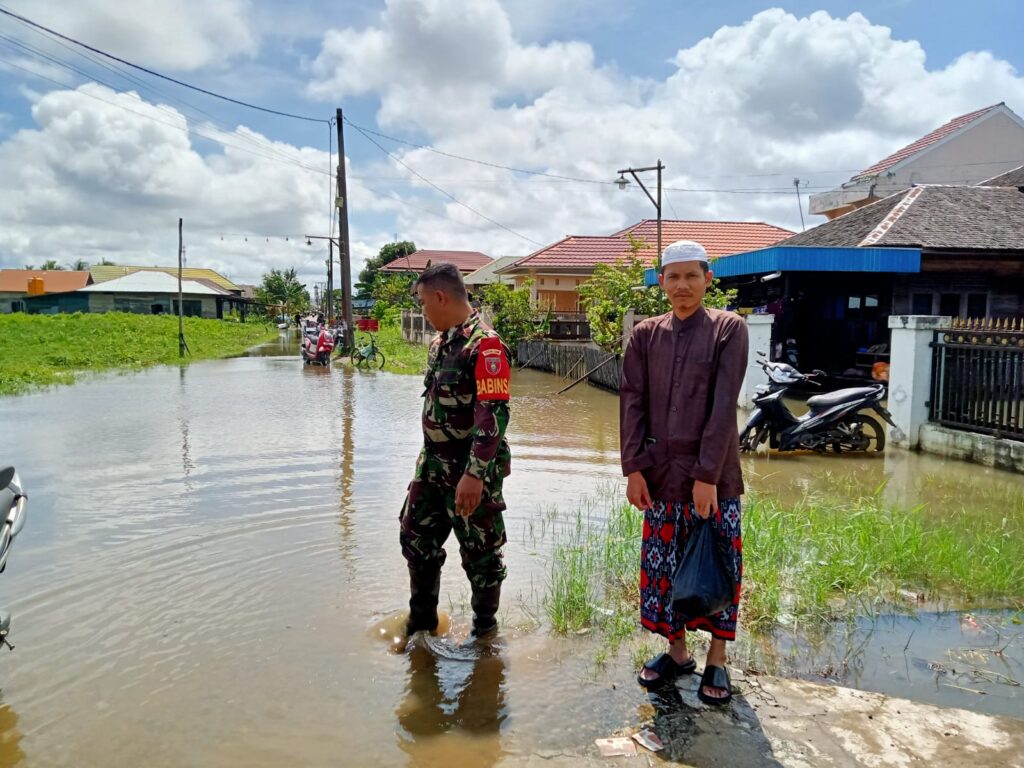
388	253
104	262
393	290
283	289
79	265
614	290
511	312
49	265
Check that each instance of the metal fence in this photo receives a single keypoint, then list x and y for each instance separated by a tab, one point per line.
978	377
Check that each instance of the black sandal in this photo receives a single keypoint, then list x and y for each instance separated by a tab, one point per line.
667	670
716	678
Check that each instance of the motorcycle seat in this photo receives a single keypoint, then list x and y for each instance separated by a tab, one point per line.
840	396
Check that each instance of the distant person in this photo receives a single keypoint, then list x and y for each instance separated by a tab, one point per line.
681	378
465	456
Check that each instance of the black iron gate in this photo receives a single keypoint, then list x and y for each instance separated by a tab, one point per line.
978	377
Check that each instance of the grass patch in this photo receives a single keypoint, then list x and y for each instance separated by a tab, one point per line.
400	356
43	350
820	560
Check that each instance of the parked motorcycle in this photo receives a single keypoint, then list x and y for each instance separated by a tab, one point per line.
12	507
834	420
317	345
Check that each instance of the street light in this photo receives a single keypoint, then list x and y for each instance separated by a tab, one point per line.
622	182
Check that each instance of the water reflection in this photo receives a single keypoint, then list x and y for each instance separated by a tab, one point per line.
454	705
11	753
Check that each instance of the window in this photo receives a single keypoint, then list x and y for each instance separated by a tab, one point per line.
921	304
854	302
193	307
949	305
977	305
870	301
556	281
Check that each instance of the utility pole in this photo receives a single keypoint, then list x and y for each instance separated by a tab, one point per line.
330	283
799	204
345	252
182	346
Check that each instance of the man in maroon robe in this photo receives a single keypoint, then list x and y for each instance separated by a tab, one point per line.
681	378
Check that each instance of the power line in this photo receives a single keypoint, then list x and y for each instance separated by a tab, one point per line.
489	164
154	73
443	191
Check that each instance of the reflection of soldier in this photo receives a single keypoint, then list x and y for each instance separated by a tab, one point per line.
465	456
452	696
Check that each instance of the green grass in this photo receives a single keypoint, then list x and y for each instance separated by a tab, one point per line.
45	350
826	558
400	355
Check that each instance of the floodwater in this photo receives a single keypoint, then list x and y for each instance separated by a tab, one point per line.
211	554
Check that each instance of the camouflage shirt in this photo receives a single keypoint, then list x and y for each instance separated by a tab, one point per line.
465	403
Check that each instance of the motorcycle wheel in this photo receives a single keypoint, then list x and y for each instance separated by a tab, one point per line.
863	434
750	443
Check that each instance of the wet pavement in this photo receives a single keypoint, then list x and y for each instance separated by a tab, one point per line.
209	549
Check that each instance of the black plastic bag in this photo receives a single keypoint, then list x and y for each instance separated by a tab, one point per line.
702	585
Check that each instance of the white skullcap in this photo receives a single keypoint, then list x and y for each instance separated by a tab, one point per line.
683	250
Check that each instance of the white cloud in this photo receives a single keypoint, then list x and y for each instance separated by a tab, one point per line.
176	34
106	175
777	93
814	97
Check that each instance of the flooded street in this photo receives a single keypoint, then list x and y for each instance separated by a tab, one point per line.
209	551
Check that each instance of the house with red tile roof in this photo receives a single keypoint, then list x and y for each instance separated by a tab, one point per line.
14	284
966	150
558	270
466	261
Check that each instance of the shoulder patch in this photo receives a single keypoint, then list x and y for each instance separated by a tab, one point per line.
493	372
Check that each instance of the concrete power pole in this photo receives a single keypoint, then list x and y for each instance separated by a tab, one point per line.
345	255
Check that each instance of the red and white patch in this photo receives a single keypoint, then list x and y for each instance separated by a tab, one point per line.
493	372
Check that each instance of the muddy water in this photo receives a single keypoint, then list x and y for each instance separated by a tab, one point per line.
210	553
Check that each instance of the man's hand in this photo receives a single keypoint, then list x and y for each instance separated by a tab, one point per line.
637	493
705	498
467	495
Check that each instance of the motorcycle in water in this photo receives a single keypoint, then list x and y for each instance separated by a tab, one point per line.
317	345
12	507
834	420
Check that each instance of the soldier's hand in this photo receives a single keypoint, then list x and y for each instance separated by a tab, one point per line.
705	498
467	495
637	493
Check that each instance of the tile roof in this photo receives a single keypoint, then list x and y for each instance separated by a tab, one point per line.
156	281
466	261
720	238
110	272
54	280
1012	178
925	141
929	216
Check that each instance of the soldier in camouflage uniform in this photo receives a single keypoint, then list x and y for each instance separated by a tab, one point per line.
465	456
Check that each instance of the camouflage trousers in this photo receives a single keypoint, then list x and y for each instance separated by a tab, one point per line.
428	517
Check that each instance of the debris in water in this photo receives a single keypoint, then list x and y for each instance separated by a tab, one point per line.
649	739
616	747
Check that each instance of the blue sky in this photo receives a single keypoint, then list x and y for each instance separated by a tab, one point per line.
727	94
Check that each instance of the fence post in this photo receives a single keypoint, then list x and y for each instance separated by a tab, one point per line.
759	332
910	373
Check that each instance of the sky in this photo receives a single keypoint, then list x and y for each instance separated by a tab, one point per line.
443	99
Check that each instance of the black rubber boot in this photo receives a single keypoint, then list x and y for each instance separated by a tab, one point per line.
485	606
424	590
